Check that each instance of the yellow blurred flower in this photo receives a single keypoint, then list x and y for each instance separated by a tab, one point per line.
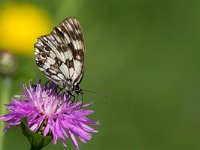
21	25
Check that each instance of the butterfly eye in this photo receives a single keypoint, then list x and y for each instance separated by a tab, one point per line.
43	55
40	63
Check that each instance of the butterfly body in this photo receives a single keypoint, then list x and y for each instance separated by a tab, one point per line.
60	55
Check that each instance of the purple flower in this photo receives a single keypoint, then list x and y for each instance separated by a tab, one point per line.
52	112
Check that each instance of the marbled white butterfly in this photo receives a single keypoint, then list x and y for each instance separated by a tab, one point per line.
60	55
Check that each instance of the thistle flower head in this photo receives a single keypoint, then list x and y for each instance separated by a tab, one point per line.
50	113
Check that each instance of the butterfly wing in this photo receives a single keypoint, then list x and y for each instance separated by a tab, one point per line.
60	54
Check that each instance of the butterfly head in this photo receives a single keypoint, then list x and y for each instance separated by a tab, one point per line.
78	90
73	89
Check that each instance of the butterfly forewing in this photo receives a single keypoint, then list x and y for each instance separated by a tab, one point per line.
60	54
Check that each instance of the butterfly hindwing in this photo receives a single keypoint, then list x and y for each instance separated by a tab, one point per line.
60	54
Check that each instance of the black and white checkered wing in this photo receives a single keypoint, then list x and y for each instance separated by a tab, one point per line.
60	55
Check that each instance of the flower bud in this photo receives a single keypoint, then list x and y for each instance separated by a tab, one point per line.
7	63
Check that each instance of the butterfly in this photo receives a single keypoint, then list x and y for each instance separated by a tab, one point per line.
60	55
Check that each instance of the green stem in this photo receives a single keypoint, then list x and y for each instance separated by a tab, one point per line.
4	98
33	148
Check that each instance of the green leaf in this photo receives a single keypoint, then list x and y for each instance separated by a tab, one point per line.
36	140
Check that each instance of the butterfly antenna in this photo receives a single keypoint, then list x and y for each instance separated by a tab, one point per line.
96	92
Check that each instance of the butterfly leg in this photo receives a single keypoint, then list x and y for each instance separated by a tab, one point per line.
72	97
81	100
59	90
77	98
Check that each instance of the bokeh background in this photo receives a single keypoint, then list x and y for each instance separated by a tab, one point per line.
144	54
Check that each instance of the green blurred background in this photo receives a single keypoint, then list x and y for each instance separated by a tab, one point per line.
145	56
